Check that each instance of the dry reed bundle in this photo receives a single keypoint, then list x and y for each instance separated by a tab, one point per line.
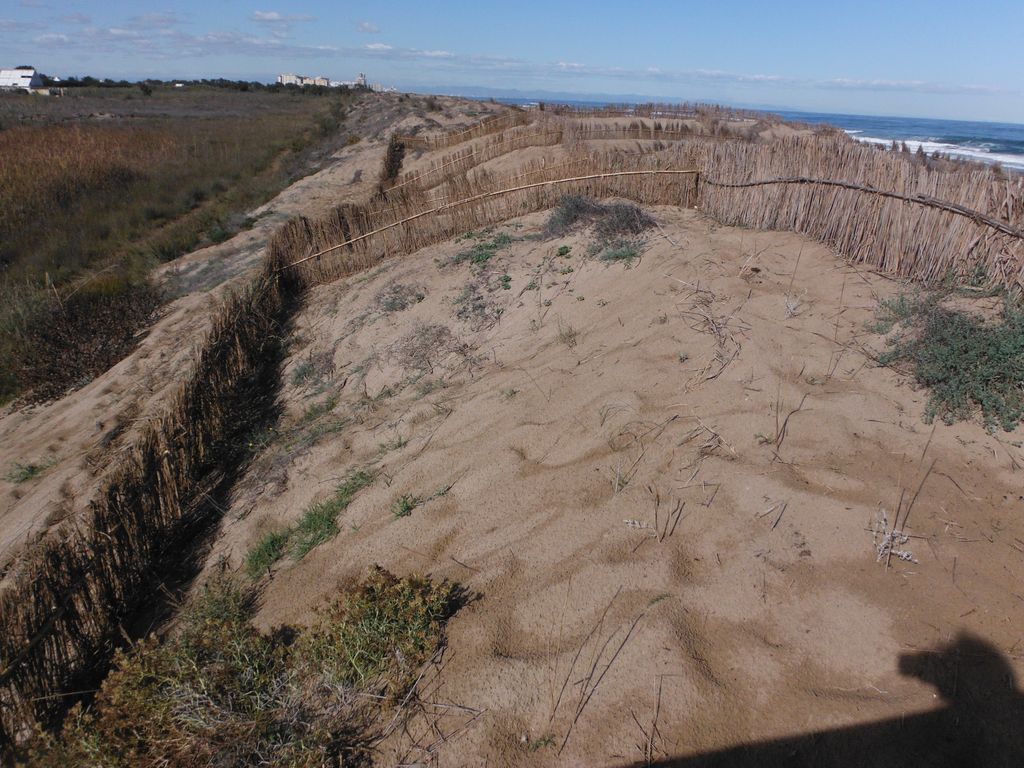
489	149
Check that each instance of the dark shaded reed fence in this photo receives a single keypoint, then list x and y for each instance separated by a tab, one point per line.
61	611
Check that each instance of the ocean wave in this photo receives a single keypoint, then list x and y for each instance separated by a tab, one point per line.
978	153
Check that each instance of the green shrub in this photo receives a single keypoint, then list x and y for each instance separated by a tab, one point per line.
620	251
378	636
220	693
968	363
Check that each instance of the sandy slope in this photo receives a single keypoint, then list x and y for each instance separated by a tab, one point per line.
572	431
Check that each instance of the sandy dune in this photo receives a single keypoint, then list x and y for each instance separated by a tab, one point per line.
620	500
663	485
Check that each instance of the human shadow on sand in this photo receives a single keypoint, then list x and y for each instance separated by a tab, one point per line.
980	724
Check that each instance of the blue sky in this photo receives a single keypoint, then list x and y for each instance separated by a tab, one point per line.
934	59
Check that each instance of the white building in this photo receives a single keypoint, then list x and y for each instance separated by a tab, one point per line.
20	78
303	80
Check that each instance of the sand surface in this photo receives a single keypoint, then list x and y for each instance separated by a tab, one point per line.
600	463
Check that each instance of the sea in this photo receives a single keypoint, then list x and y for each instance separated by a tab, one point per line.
986	142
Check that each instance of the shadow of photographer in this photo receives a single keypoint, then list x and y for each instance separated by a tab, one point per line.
980	724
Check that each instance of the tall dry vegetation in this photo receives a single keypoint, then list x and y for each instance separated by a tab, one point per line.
81	197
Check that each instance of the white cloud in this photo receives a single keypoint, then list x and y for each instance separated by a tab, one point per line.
273	17
377	47
51	39
368	28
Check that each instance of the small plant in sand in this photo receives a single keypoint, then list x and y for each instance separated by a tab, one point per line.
397	297
423	346
405	504
567	335
22	473
392	445
969	363
483	250
622	251
319	523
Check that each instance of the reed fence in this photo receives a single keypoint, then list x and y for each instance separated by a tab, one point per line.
431	142
902	214
62	611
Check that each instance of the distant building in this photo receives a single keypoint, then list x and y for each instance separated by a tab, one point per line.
20	79
304	80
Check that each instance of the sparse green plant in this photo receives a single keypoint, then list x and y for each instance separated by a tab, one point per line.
968	363
683	357
564	251
427	386
319	522
316	410
506	282
509	393
565	271
393	444
396	297
405	504
531	286
624	251
482	251
268	550
22	473
542	742
303	373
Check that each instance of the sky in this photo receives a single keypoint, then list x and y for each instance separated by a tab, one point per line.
936	59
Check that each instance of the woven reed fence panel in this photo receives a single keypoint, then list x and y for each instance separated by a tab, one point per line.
906	238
